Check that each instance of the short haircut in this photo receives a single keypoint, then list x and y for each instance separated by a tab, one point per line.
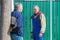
36	6
18	5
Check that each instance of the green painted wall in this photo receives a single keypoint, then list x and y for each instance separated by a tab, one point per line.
36	0
32	0
56	20
28	12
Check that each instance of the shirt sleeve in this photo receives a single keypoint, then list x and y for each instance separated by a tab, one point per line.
43	23
31	26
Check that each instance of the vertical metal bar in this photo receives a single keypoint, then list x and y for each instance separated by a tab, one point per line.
50	19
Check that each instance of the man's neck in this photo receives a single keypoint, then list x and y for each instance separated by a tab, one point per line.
36	13
19	11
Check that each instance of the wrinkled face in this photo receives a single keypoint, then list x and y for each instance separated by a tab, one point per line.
36	10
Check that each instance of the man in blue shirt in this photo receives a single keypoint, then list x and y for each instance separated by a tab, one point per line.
16	27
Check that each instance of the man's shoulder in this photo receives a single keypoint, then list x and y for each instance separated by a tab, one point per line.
41	14
16	13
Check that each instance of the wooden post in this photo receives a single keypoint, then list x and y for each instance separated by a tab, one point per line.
6	15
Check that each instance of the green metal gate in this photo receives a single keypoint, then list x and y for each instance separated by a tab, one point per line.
56	20
28	12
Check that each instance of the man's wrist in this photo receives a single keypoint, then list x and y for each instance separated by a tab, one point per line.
31	32
41	32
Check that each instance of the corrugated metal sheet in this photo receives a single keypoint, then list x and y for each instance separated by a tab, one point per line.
36	0
27	13
32	0
56	20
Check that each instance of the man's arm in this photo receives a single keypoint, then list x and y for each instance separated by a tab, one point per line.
43	23
11	25
31	29
31	26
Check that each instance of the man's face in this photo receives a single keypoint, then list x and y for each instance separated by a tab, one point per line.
20	8
36	10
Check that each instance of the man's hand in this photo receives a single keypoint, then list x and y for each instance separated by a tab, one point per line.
10	29
31	34
40	34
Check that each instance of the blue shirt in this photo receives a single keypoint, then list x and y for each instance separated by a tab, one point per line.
19	19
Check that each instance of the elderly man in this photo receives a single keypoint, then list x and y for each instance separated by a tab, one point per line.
16	27
38	23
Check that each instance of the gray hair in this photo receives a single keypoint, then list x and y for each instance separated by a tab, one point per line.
18	5
37	7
